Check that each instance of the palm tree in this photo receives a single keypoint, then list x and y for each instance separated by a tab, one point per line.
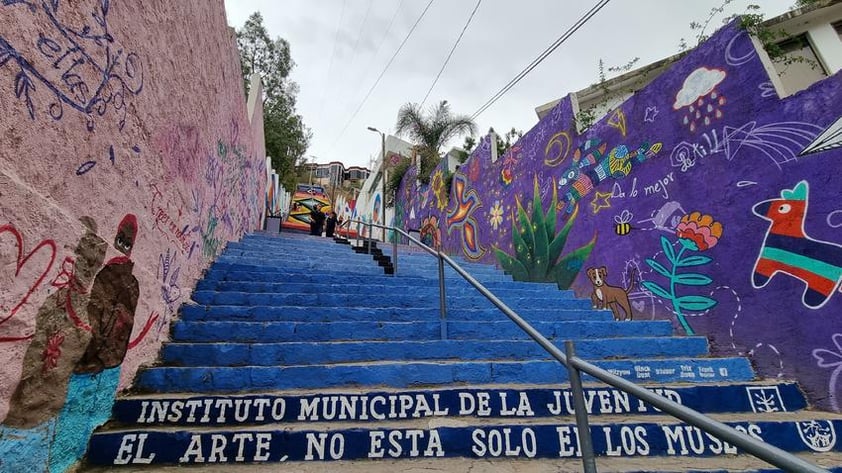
434	130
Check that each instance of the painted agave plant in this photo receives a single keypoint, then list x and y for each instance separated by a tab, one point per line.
538	247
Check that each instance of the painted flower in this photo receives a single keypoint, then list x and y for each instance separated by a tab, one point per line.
52	351
496	215
506	175
698	232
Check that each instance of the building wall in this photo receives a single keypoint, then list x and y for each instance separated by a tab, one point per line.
713	201
127	161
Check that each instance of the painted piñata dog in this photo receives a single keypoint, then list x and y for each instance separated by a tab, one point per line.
787	249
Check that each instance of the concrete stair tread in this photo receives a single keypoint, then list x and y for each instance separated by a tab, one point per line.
428	374
595	421
343	351
363	289
409	300
245	331
730	463
222	313
429	343
761	382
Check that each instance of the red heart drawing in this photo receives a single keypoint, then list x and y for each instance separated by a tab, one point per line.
20	263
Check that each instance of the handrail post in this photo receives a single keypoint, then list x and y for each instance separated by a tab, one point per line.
585	442
370	239
395	255
442	299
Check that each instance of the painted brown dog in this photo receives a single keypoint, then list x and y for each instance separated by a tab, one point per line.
605	296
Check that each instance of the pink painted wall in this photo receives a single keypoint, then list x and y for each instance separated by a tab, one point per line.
112	109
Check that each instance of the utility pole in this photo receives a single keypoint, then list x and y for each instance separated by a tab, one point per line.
383	171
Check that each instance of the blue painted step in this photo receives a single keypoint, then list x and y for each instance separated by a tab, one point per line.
268	332
340	270
513	441
296	353
439	373
247	280
429	298
395	314
460	403
423	287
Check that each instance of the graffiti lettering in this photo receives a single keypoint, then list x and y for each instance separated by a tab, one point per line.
83	69
660	187
618	192
169	225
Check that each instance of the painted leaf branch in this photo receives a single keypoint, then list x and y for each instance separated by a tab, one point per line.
696	232
538	247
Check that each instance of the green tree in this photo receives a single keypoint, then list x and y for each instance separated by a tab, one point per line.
506	141
431	131
287	137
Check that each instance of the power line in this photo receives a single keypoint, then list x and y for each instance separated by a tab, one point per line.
333	53
579	23
364	75
360	33
451	52
367	95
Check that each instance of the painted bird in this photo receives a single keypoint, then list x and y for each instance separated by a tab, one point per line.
787	248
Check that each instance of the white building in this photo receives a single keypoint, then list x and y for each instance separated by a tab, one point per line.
813	33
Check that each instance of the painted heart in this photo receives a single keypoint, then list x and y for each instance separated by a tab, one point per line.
639	306
23	282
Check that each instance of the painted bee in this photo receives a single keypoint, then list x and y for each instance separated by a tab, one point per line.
622	227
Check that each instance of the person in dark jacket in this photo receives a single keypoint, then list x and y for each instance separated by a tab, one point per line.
317	220
330	225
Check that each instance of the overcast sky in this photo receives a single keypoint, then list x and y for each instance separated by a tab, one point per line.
341	46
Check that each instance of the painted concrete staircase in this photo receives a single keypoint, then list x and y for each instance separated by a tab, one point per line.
299	351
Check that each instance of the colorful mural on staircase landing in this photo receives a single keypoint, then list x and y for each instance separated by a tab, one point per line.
672	189
305	199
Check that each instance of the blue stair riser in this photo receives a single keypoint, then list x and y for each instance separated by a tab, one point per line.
298	258
282	278
385	283
373	273
332	287
326	243
430	298
273	332
513	441
460	403
280	354
375	276
360	267
339	271
404	375
393	314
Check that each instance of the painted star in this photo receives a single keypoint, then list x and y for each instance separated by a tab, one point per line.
651	113
604	197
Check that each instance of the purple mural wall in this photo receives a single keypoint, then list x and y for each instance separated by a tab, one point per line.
127	160
704	199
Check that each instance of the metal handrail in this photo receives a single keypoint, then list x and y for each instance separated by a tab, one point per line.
768	453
